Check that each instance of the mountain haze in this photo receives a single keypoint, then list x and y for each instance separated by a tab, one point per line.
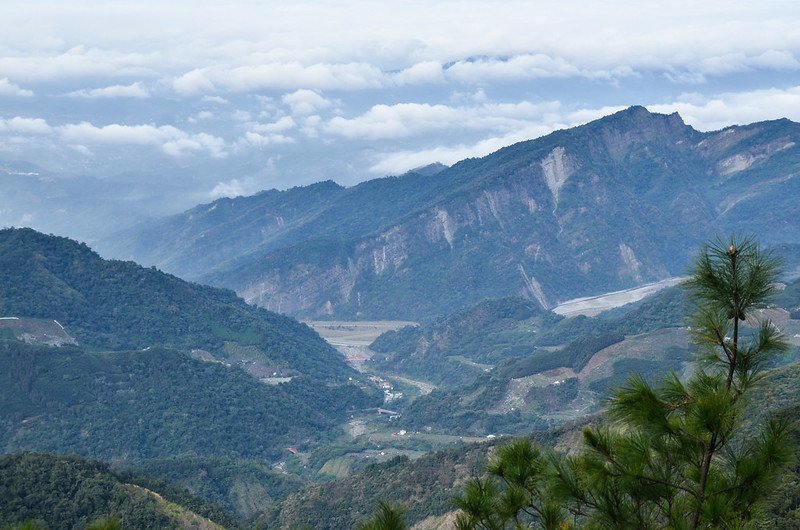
611	204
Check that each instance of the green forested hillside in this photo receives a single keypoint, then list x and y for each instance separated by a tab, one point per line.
484	334
156	403
243	487
120	305
70	493
790	298
496	330
424	486
163	369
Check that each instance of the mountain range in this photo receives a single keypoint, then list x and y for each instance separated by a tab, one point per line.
617	202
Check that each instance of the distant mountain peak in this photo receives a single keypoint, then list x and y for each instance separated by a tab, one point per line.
430	169
637	116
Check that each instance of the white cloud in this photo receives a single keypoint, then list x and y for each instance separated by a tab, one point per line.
82	149
426	72
27	126
410	75
553	118
263	140
7	88
716	112
232	188
238	186
120	134
283	124
519	67
399	162
197	43
394	121
478	96
409	119
197	142
215	99
135	90
77	62
280	75
310	126
304	101
241	115
170	139
194	82
204	115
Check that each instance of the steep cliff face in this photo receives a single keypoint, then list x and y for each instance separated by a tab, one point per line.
617	202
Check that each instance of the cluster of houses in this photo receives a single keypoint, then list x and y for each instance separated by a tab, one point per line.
389	394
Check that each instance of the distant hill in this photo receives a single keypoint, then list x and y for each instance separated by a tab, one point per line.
68	492
242	487
608	205
457	348
129	406
118	305
424	486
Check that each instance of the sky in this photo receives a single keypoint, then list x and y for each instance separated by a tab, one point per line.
197	100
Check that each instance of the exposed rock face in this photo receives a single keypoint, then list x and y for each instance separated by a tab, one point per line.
604	206
557	168
631	265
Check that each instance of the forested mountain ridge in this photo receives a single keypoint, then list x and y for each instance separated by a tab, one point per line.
71	493
118	305
460	346
128	406
162	368
576	212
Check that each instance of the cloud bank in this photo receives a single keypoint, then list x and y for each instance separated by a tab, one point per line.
268	93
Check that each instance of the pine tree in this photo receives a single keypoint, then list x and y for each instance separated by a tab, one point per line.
672	455
387	517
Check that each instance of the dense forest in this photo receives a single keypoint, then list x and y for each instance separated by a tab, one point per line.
118	305
71	493
156	403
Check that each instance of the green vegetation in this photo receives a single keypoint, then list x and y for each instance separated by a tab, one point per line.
497	330
115	305
388	517
468	410
424	487
157	403
574	355
789	298
676	455
487	333
68	492
471	403
243	487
